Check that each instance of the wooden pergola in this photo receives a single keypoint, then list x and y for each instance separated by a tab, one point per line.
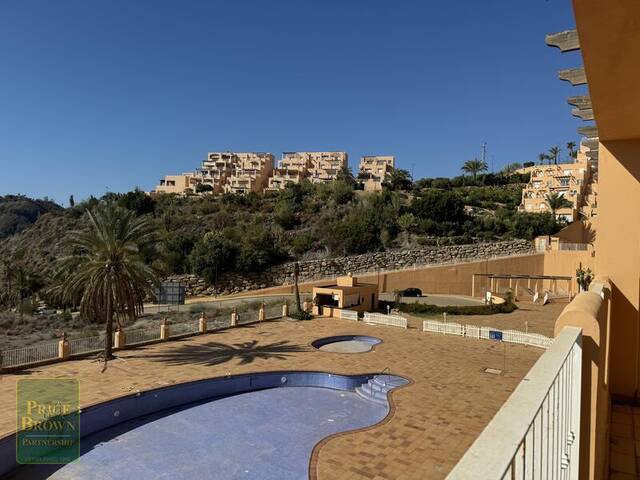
515	281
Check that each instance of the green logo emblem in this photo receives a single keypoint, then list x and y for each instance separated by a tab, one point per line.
48	420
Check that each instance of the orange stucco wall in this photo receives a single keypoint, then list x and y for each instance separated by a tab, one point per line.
618	257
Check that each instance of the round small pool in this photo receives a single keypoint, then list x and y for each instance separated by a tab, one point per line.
346	343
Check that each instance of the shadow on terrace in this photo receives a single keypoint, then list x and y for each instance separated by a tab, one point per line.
215	353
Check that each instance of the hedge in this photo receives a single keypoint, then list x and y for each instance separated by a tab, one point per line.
423	309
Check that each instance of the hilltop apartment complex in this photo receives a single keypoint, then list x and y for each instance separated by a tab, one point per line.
577	182
374	170
244	172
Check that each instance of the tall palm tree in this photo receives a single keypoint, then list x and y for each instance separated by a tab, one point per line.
542	157
556	202
553	154
474	167
105	271
571	146
296	289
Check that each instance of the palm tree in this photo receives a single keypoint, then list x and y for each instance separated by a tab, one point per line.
553	154
105	270
511	168
474	167
571	146
556	202
542	157
398	179
296	289
406	221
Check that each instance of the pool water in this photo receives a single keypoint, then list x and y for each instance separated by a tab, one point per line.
346	343
266	434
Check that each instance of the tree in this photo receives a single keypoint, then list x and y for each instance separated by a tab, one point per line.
556	202
406	222
137	201
439	206
511	168
571	147
105	270
542	157
346	175
474	167
212	255
398	179
72	201
296	289
553	154
203	187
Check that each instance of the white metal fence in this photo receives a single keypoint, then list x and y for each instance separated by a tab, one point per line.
382	319
79	346
487	333
349	315
133	337
536	433
26	355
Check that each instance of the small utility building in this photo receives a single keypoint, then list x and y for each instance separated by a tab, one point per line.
346	294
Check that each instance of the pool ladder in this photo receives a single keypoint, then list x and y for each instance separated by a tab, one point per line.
377	388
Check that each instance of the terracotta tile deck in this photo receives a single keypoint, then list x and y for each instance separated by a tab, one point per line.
624	454
436	418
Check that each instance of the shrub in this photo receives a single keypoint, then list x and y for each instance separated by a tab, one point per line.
301	315
422	309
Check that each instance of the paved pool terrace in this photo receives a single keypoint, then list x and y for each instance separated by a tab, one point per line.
431	423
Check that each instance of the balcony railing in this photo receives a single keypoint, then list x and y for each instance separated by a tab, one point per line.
536	433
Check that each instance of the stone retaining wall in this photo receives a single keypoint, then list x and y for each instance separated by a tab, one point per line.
368	262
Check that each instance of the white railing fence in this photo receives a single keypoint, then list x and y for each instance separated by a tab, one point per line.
536	433
26	355
349	315
487	333
133	337
79	346
382	319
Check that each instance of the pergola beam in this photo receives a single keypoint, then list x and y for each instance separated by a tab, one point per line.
566	41
586	114
575	76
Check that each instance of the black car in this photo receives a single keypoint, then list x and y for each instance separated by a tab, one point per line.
411	292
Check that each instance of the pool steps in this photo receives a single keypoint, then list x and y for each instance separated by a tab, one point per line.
377	388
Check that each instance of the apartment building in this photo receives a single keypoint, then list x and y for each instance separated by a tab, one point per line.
215	170
250	173
179	184
374	169
324	166
569	180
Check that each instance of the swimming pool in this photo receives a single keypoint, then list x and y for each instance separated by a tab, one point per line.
258	431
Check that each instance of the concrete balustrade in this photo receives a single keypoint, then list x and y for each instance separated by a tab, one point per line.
590	312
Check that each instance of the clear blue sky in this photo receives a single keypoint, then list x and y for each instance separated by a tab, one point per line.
118	93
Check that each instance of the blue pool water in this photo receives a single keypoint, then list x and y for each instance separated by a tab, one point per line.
265	434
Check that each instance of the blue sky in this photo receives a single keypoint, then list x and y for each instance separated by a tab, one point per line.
115	94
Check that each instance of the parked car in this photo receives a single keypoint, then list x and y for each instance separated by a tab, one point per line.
411	292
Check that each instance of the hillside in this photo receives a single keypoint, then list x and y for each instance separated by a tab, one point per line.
212	235
18	212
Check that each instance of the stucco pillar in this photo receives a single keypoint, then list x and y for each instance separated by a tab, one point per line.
305	306
164	330
202	323
261	315
285	310
120	339
63	347
234	317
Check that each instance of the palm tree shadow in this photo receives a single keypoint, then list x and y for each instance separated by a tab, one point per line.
216	353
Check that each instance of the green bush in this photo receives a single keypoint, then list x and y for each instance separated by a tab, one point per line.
301	315
422	309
